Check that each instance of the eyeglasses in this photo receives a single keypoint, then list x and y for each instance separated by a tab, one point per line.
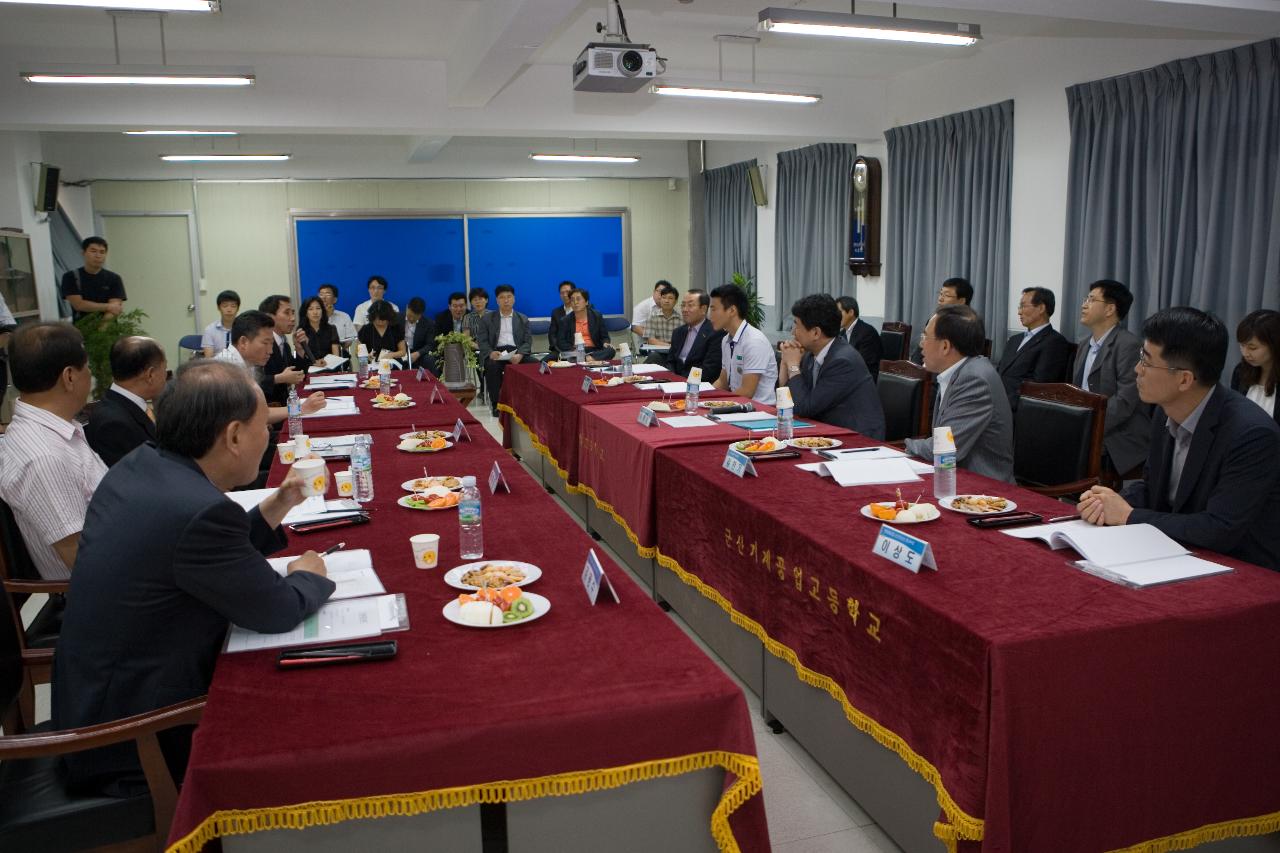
1144	361
1089	299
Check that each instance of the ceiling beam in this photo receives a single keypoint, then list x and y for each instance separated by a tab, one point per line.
423	149
496	44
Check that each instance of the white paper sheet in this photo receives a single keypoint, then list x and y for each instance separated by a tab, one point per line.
331	380
311	509
647	368
339	620
871	472
328	363
742	417
336	406
351	571
673	387
685	421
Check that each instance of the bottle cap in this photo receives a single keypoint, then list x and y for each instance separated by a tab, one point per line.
784	400
468	481
943	440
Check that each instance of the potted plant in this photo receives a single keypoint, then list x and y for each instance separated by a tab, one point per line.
755	313
456	352
101	331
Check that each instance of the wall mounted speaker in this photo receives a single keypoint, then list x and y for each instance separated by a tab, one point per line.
46	196
757	186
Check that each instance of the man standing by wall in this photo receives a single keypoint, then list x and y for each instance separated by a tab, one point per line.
93	288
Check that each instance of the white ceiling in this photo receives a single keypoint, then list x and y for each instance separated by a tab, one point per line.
429	71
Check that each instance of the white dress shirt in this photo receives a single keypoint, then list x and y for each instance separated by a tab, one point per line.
1095	345
945	377
506	337
129	395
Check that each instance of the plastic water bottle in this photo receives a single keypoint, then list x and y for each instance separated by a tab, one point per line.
470	535
295	413
384	376
944	463
786	428
579	352
364	364
362	469
691	395
626	362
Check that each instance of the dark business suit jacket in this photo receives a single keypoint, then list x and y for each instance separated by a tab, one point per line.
165	562
423	344
557	317
1128	419
281	357
704	353
595	327
866	340
1228	496
1045	358
116	426
844	394
444	323
491	327
1236	383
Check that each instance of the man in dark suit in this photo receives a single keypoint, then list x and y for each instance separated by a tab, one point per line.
829	381
1104	364
696	343
419	335
284	367
558	313
166	561
1040	354
864	338
452	319
504	339
954	291
1211	478
122	419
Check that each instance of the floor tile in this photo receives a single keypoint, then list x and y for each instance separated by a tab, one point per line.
845	841
883	842
797	808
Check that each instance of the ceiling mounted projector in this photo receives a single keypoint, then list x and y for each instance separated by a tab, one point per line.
613	67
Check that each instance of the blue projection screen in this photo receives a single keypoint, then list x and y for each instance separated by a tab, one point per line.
535	253
417	257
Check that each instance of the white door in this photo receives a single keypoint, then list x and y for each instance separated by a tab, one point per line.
153	255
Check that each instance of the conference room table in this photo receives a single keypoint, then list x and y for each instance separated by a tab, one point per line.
1046	708
541	719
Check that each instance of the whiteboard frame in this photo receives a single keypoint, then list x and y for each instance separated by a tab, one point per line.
303	214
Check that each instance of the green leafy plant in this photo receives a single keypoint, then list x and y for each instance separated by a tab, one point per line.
755	312
101	331
462	338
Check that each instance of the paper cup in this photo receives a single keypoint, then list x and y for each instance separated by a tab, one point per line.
315	476
695	374
426	550
943	440
286	453
301	445
624	350
783	399
346	484
577	338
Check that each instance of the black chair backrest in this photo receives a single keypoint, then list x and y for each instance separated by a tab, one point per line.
895	338
901	398
1051	441
13	550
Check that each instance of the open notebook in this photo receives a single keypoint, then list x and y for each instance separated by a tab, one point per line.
1135	555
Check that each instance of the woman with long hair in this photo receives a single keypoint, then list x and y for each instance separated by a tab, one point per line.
322	337
1255	376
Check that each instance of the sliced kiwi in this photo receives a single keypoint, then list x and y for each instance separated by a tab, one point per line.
510	616
521	608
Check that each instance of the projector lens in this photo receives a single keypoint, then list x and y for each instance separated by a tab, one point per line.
631	62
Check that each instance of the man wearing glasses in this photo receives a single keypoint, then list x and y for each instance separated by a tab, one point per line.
1211	478
1104	365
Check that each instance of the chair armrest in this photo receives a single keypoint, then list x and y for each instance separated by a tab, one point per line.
15	587
104	734
1065	489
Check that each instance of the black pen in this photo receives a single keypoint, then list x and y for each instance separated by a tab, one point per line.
329	551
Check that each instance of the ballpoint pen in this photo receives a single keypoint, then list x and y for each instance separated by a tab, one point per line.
329	551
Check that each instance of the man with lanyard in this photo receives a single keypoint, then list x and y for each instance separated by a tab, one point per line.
749	366
92	288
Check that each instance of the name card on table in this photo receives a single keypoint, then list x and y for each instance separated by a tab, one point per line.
593	577
459	430
421	374
437	396
496	478
647	417
739	464
906	550
543	367
589	387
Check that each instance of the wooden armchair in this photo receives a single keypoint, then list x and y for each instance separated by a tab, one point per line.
896	340
33	644
906	395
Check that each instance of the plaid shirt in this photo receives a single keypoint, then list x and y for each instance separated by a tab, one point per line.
661	326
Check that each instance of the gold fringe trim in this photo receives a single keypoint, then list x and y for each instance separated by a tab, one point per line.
537	443
946	833
645	551
964	825
1241	828
326	812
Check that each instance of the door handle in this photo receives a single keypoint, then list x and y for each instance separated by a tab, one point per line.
191	309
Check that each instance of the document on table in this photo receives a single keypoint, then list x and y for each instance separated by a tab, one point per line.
765	424
352	619
743	417
311	509
1134	555
333	446
863	454
673	387
647	368
336	406
331	380
685	421
328	363
856	472
351	571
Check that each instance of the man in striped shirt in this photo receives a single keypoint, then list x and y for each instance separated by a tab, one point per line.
48	472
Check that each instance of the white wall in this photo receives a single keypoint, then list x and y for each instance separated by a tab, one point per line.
18	151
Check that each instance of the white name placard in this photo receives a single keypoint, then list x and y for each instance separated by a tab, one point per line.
647	417
589	387
460	430
593	578
739	464
910	552
422	373
543	367
497	478
436	395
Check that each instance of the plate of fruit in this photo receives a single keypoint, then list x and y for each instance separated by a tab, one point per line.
496	608
756	446
399	401
901	511
428	445
431	500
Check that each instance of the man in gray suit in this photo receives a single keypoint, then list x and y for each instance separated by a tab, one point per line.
504	339
971	398
829	380
1104	365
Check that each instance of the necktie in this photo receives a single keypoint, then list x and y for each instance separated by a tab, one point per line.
151	412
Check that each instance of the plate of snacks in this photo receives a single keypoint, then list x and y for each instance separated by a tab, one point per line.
399	401
492	574
814	442
371	384
422	484
717	404
901	511
560	364
666	406
756	446
637	377
977	504
431	500
425	434
607	383
430	445
496	608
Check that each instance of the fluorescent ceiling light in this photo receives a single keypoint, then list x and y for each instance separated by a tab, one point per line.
225	158
179	132
140	75
838	24
130	5
585	158
733	92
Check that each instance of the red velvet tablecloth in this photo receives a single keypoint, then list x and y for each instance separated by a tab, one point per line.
585	698
615	461
546	405
424	413
1050	709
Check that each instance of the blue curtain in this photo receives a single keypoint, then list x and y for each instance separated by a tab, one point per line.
1174	185
948	214
812	228
730	224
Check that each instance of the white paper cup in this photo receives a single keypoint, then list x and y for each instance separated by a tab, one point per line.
577	338
346	484
426	550
301	445
943	440
315	476
285	451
